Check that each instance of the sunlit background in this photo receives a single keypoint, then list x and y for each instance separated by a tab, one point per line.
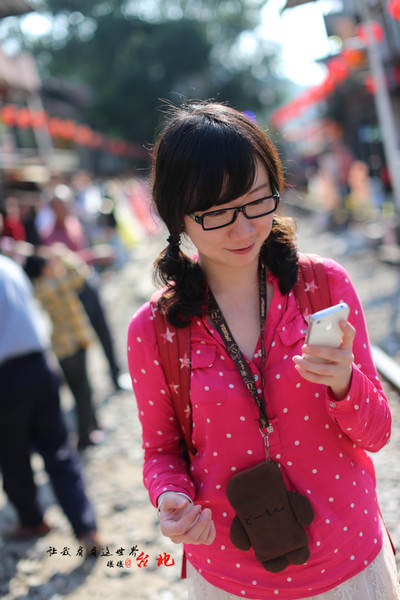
299	33
93	76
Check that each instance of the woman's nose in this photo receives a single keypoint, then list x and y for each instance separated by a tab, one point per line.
242	223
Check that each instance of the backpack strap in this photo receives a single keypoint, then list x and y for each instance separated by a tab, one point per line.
174	347
312	287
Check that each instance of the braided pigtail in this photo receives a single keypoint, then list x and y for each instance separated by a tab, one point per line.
173	250
169	268
186	287
279	252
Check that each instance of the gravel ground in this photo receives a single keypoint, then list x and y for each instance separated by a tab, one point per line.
113	470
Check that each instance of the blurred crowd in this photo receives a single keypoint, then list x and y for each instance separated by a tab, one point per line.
350	196
100	219
65	235
56	242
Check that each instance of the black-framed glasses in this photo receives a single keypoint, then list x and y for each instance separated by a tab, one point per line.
215	219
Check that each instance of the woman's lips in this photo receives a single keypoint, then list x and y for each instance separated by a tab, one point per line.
242	250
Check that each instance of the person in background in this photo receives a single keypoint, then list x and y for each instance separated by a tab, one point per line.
260	396
13	226
31	418
57	275
67	229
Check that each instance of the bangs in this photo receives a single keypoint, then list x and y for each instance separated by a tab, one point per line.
223	167
207	156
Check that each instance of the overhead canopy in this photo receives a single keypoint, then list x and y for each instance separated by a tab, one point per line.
10	8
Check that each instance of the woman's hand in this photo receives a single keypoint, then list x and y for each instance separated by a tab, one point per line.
329	366
184	522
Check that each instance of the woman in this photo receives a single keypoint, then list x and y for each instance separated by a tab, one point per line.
217	179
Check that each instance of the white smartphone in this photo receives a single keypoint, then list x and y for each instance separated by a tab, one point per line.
323	327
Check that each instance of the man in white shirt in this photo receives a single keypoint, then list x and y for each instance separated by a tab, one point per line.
31	418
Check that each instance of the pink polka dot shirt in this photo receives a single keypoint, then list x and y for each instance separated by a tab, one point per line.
321	444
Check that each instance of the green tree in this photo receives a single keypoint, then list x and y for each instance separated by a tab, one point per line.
132	53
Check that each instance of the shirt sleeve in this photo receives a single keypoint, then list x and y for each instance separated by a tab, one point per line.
364	414
164	468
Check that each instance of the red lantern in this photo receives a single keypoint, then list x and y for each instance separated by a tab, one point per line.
9	114
353	57
39	119
24	118
67	130
338	70
117	146
376	30
393	8
370	84
55	127
83	135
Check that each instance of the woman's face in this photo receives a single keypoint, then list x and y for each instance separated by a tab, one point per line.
238	244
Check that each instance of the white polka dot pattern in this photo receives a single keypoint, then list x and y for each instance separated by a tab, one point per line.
319	442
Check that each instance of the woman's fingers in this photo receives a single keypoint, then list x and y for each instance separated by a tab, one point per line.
177	522
202	530
329	366
184	522
349	334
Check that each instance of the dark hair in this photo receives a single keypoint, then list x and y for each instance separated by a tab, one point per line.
34	266
206	155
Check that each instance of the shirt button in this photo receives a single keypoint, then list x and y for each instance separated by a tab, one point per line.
333	404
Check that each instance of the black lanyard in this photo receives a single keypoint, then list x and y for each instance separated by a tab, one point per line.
237	356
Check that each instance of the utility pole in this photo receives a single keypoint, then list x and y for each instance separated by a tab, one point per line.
383	104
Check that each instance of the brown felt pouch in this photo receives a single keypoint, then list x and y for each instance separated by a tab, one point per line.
269	518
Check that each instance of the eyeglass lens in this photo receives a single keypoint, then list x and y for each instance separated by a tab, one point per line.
252	210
